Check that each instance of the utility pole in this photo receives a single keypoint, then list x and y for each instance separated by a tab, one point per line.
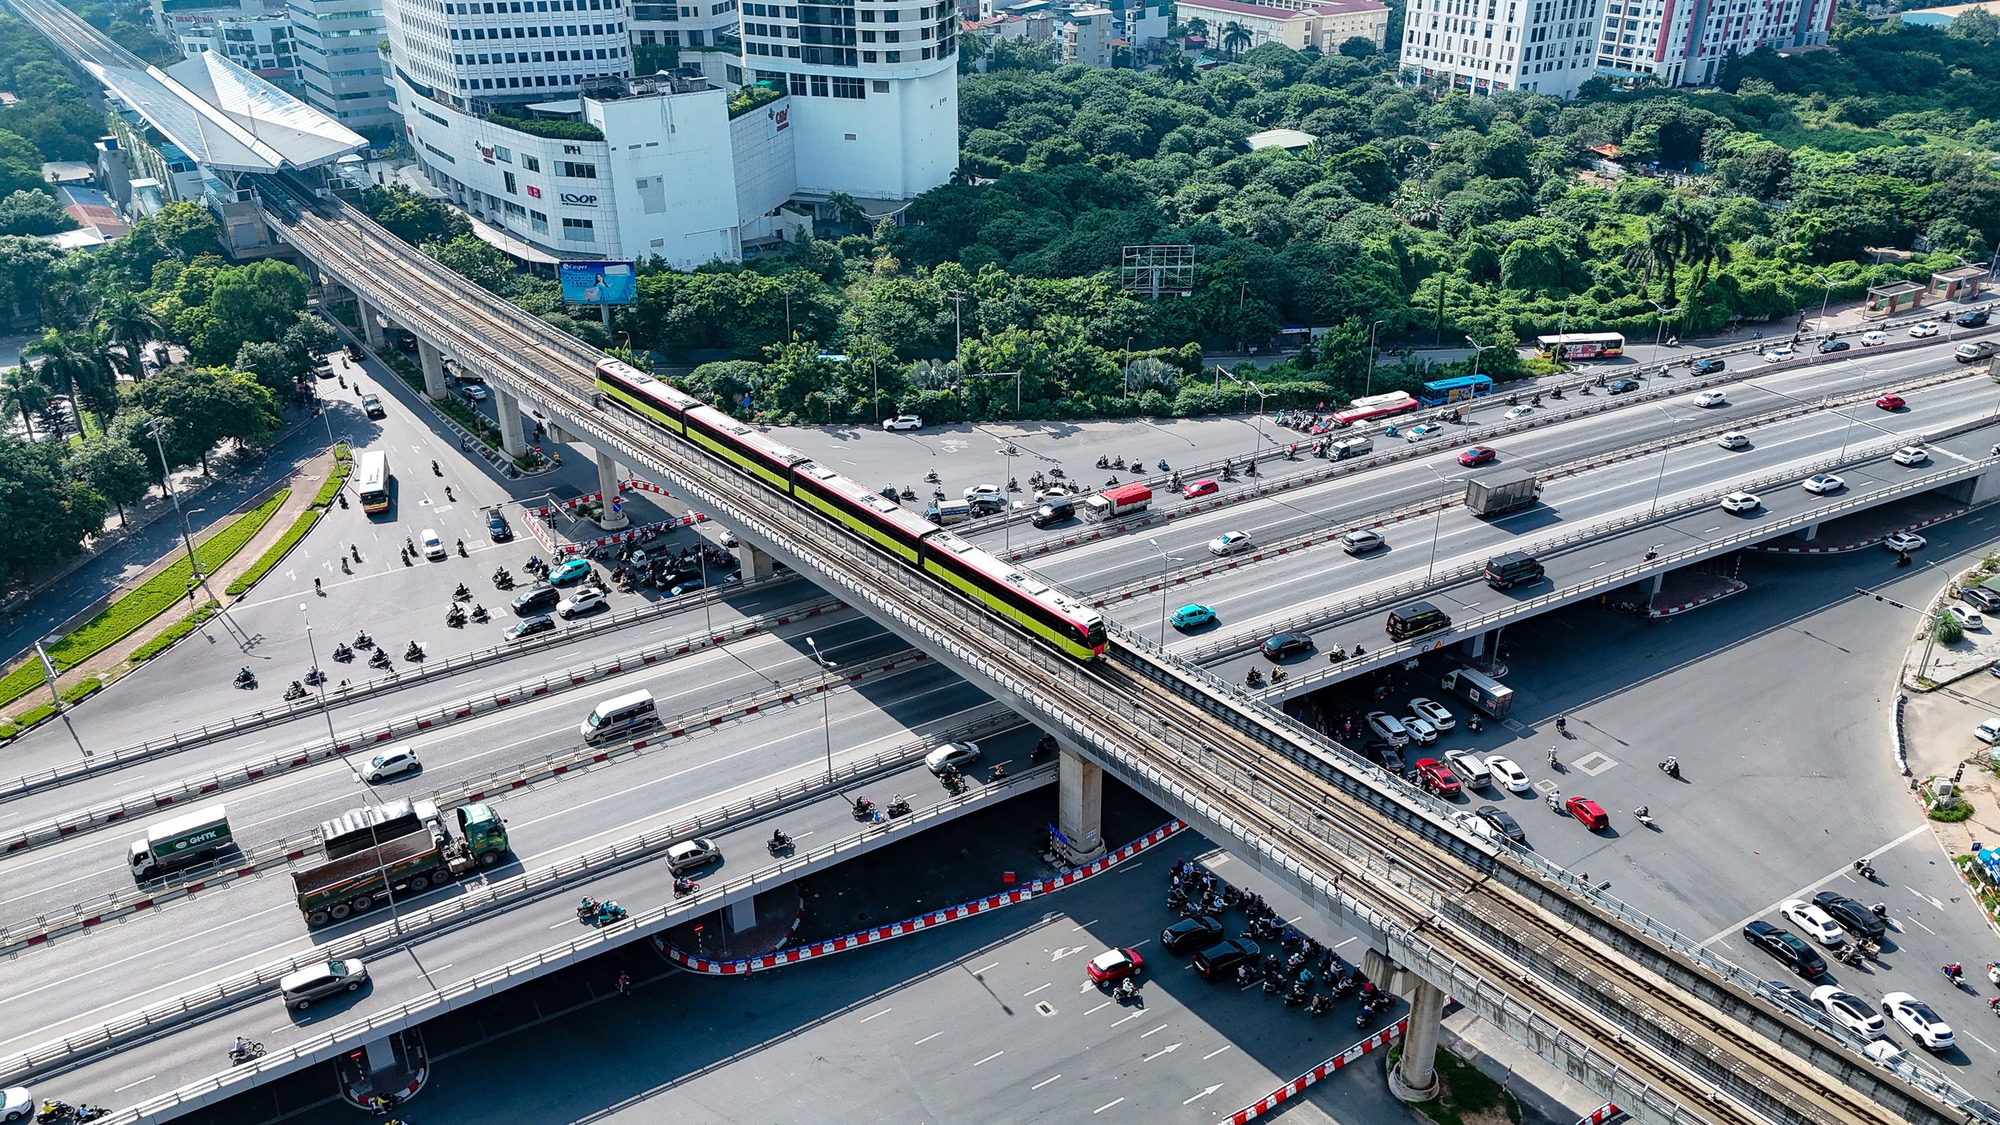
957	298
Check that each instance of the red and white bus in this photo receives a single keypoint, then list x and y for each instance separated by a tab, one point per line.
1375	406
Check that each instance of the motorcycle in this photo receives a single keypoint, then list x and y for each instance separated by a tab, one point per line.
1473	724
342	653
413	653
246	679
1044	750
246	1053
1103	462
899	807
909	494
296	691
864	809
932	477
502	579
778	843
363	640
1864	869
479	613
435	471
315	677
684	886
461	593
53	1111
453	617
607	913
1253	678
1298	995
1128	990
379	660
1320	1005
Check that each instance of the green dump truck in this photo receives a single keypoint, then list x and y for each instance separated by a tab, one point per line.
184	841
428	855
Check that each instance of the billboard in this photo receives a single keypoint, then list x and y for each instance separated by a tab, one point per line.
598	283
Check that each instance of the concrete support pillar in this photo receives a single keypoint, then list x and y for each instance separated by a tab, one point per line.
1475	645
607	483
1080	808
1809	532
507	411
742	914
1415	1078
756	564
1653	584
371	326
561	436
432	361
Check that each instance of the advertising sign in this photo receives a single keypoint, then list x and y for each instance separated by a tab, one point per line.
598	283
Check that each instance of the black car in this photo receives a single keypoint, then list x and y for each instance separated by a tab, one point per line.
1832	345
1707	366
984	507
1851	915
1620	386
1972	318
1278	646
1786	947
1980	598
541	596
521	630
1218	961
496	526
1191	933
1503	822
1054	513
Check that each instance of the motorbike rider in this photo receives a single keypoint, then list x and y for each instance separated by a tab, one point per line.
1552	757
1953	972
1642	812
779	839
683	885
246	673
242	1046
1672	765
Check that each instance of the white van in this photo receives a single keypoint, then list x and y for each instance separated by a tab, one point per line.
1469	768
618	716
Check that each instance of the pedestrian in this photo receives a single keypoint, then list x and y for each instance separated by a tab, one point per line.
625	983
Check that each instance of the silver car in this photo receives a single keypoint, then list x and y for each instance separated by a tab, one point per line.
326	978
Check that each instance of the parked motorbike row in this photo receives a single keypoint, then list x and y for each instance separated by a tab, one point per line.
1303	971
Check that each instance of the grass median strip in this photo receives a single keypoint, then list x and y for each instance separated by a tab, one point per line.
278	551
144	603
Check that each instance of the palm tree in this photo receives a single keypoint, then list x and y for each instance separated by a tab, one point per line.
1235	38
1197	27
1419	208
21	390
1703	247
76	360
129	323
1177	68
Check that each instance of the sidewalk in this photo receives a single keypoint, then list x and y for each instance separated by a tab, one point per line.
115	661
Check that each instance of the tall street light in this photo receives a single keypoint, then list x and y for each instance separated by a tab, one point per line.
167	482
825	706
1372	329
1478	353
1661	480
1820	324
1660	322
1007	451
1444	483
1165	559
62	712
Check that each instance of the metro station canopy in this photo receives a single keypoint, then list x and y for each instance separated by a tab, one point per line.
228	119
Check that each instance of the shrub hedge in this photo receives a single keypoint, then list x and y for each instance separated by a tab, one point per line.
278	551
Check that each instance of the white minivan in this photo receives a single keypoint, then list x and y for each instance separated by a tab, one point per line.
618	716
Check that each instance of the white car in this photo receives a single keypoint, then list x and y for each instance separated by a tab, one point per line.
1778	355
432	545
690	854
1733	440
1813	922
1420	432
583	601
955	754
1433	712
1711	398
1507	775
389	763
1988	731
1849	1010
1741	502
16	1103
1823	483
1521	411
1420	731
474	394
1967	616
1916	1017
1388	728
1910	455
1904	541
1230	543
1870	339
903	422
984	494
1925	330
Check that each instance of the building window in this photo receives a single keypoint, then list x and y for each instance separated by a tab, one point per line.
579	230
799	85
576	170
531	163
507	178
881	87
538	221
819	86
868	56
849	87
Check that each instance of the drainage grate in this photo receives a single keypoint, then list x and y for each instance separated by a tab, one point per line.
1044	1007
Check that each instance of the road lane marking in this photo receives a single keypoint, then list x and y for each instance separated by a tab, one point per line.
1038	988
877	1015
1083	925
1216	1052
129	1085
1127	1019
1204	1093
1105	1106
1100	1007
1806	892
1155	1031
983	968
927	1038
1045	1082
989	1058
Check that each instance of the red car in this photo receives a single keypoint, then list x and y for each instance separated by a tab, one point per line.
1588	813
1437	777
1891	402
1206	486
1477	455
1114	965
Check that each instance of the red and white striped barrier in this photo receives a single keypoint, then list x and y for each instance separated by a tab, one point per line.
1298	1085
1602	1115
1864	544
863	938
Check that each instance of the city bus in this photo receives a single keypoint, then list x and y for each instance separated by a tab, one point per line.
1374	406
371	481
1581	345
1441	391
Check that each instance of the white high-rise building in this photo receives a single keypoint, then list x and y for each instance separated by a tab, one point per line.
1487	46
341	72
1681	44
527	114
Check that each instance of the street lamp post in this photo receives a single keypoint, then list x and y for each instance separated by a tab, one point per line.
49	671
1820	324
1437	525
1660	481
1478	353
701	552
825	706
167	482
1659	323
1007	505
1165	559
1372	330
